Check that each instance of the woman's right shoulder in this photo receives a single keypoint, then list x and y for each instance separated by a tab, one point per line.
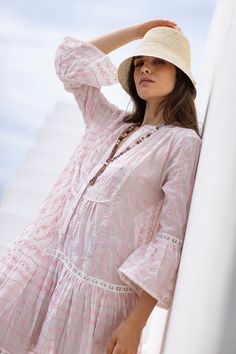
180	133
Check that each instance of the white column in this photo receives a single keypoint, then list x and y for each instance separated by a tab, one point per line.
203	314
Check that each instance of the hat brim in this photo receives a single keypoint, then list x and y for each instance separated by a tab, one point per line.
124	67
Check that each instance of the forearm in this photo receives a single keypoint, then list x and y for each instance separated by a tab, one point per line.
113	40
116	39
141	312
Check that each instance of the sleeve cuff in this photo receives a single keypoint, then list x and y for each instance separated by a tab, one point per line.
153	268
79	62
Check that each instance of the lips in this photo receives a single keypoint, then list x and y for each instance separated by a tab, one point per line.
145	82
145	79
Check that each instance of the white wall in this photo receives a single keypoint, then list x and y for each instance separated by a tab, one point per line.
203	315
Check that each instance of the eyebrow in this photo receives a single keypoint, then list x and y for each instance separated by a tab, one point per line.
138	57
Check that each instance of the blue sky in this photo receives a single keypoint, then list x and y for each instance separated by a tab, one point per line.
30	32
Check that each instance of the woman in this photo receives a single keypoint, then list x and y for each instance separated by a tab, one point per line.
105	246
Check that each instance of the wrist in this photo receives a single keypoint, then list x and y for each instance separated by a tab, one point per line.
136	323
138	317
139	31
142	310
134	32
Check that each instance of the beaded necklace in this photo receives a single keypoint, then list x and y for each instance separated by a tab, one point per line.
121	137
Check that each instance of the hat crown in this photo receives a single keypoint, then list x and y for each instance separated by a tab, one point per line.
167	39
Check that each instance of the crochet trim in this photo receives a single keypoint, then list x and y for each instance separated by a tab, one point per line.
177	241
117	288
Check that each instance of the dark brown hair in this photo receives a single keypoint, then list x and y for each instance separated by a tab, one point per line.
178	107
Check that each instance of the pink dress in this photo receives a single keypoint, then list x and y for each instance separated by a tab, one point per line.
76	272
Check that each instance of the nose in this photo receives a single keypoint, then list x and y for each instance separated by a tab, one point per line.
145	69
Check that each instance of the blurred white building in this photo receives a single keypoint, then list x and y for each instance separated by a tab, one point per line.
54	143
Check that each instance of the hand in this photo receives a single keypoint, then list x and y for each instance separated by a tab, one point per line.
146	26
125	339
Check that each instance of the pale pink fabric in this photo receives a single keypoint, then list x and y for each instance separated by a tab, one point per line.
79	268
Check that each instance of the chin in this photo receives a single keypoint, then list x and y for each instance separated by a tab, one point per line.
148	97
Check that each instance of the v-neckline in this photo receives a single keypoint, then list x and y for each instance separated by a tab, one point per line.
127	141
130	139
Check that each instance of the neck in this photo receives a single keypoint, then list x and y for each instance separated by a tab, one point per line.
150	117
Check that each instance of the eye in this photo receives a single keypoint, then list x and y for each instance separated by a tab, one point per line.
156	61
159	61
138	63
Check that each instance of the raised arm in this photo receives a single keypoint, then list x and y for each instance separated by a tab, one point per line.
116	39
84	67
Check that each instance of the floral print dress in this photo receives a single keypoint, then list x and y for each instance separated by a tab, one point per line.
77	271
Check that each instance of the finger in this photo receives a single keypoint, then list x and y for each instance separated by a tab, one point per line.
163	20
115	350
169	21
170	25
111	345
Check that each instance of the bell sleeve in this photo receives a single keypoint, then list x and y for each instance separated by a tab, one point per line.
153	266
83	69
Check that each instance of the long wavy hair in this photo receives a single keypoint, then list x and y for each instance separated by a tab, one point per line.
178	107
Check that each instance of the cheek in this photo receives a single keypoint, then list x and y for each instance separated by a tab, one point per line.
135	77
168	78
172	75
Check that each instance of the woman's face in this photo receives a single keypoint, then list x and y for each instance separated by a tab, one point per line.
160	73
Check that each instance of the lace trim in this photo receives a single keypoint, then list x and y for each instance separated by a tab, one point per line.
171	238
87	278
3	351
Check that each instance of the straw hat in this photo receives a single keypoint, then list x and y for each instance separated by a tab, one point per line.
164	43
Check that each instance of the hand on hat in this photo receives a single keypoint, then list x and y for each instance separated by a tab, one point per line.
146	26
